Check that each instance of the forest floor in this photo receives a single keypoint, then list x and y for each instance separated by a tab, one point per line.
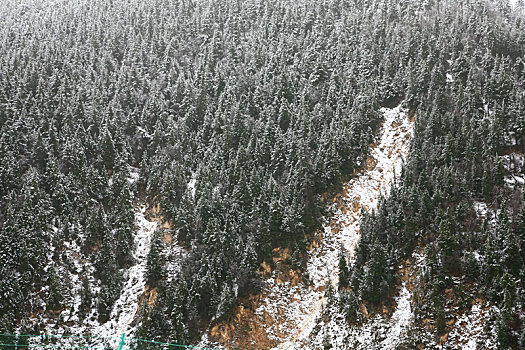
291	304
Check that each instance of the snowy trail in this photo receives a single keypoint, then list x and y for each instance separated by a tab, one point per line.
294	310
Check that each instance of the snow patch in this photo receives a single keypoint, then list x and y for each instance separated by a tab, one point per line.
516	3
134	175
400	319
469	330
191	187
481	209
126	306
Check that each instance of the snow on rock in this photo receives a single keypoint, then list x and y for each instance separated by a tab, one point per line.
291	313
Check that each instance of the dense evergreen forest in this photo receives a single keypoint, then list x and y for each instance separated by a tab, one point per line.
466	85
237	116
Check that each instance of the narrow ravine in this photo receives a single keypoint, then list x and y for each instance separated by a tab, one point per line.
292	312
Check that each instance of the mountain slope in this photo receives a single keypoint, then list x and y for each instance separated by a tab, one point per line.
239	120
288	309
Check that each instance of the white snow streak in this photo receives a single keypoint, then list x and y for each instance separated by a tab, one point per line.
191	186
295	310
126	306
400	319
376	333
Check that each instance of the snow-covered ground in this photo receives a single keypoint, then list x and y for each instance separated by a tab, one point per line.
126	306
376	333
400	319
469	331
69	326
291	313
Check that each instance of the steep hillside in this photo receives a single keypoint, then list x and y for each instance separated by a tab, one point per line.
292	301
168	169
